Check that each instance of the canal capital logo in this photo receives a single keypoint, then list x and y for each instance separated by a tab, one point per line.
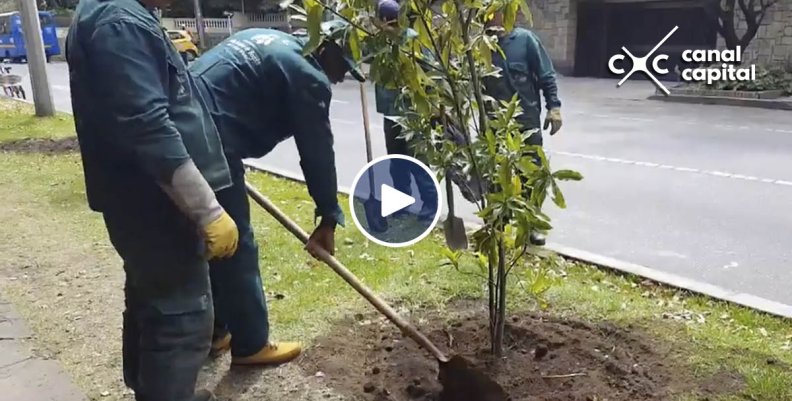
651	64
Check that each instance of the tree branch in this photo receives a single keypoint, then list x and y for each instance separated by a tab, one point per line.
748	11
476	90
765	5
727	19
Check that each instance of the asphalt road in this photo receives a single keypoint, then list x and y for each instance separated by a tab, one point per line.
698	191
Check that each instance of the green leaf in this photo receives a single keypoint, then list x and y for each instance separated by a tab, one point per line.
447	8
567	175
527	166
504	178
314	22
510	15
452	256
526	12
539	191
512	107
482	261
558	197
354	44
485	53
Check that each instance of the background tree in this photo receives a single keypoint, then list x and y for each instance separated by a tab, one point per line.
726	14
439	67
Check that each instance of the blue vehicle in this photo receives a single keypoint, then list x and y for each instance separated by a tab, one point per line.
12	38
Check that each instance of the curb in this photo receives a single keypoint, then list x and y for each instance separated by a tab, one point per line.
601	261
726	101
676	281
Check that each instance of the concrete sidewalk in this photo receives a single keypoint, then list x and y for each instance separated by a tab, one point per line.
23	375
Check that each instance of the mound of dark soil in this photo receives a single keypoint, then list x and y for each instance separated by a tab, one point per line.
547	359
45	146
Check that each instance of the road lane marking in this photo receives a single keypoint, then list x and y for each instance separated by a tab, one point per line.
714	173
642	120
343	121
338	101
650	120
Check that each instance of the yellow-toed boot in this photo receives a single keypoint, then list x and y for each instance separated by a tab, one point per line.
271	354
220	345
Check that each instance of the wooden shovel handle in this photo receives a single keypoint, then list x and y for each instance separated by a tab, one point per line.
350	278
366	125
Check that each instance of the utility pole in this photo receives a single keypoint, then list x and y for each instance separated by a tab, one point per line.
36	59
199	24
229	18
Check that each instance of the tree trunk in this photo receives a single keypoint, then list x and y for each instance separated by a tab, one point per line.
493	306
729	31
500	327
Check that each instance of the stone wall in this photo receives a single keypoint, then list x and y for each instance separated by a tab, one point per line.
773	42
555	22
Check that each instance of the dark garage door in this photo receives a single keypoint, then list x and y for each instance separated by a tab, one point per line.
603	28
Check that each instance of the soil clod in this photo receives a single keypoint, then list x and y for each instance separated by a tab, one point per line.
540	352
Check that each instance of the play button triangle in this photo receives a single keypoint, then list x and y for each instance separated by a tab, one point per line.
394	200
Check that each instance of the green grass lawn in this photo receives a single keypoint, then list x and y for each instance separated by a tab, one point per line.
47	225
18	122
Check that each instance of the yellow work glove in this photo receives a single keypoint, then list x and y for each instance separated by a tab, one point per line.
221	236
553	119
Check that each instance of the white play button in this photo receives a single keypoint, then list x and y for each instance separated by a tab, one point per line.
377	218
394	200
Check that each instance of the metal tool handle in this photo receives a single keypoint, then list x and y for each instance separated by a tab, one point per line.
350	278
450	196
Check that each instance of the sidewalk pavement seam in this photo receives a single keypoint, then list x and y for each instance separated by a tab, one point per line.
25	376
672	280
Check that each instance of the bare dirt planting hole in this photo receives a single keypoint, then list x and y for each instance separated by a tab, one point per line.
548	359
43	146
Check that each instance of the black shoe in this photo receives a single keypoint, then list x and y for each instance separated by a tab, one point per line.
204	395
537	239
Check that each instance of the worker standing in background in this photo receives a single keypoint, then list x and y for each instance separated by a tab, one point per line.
526	70
152	159
264	91
389	104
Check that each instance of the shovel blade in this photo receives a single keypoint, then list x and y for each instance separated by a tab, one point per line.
374	219
455	235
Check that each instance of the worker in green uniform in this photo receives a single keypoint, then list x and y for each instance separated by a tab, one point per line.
152	159
526	70
263	90
388	103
